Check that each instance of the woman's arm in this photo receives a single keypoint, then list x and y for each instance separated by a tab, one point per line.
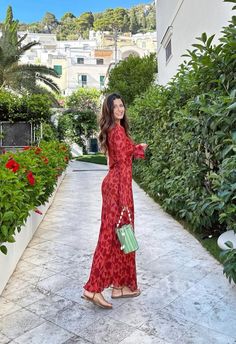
117	141
139	151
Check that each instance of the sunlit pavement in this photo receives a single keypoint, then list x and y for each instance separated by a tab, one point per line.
185	297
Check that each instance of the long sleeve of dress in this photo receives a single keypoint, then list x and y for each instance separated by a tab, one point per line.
118	144
138	152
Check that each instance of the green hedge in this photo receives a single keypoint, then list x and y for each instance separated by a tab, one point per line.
34	108
28	179
190	126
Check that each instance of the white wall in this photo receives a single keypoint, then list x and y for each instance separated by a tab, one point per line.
189	19
51	52
92	71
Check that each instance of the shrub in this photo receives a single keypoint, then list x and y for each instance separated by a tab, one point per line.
27	179
190	126
34	108
79	123
132	77
229	259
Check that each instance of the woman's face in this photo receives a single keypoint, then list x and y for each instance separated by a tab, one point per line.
119	109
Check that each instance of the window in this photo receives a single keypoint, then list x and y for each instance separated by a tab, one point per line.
102	80
80	60
83	80
168	50
99	61
58	69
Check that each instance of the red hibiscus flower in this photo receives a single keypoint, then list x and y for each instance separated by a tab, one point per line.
38	150
38	211
66	158
12	165
30	178
26	148
45	159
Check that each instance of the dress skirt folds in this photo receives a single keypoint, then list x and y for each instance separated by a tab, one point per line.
111	266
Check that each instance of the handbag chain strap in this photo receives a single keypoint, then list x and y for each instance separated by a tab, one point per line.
121	215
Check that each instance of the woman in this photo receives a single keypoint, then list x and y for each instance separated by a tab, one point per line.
111	266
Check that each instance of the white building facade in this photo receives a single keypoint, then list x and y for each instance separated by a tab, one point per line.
80	63
179	22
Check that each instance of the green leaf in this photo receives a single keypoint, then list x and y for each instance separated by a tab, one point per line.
204	37
3	249
232	106
210	40
234	135
8	215
199	46
11	239
227	150
233	1
229	244
4	230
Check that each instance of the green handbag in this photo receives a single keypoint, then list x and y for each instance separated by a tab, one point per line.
126	235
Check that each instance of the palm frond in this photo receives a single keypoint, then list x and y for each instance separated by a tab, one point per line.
16	76
49	82
21	39
26	47
37	89
38	69
22	78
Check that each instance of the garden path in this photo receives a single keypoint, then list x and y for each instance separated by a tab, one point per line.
185	297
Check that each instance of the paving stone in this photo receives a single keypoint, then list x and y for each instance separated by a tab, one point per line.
77	340
76	318
142	337
26	296
49	306
7	307
17	323
4	339
107	330
46	333
202	335
15	284
167	326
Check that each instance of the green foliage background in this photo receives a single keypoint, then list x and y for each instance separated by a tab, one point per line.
34	108
79	122
139	18
190	126
132	77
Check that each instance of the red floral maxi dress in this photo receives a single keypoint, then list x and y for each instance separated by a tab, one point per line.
111	266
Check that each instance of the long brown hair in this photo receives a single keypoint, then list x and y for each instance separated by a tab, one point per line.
107	120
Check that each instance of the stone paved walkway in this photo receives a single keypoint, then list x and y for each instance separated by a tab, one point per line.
185	298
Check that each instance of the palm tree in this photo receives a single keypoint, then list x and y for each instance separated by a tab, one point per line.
18	77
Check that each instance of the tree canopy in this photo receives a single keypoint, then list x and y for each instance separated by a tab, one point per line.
49	22
140	18
132	76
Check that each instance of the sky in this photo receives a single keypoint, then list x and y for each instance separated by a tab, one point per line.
29	11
